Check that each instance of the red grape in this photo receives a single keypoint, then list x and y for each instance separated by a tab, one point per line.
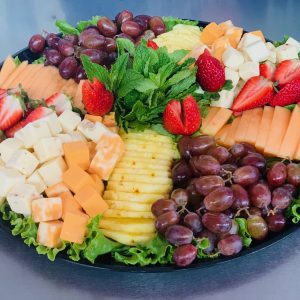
193	222
255	160
68	67
157	25
216	222
73	38
65	47
162	206
290	188
95	42
80	74
281	198
180	197
110	45
206	184
219	199
52	40
277	174
184	255
178	235
107	27
53	57
143	21
96	56
131	28
238	150
246	175
230	245
123	16
257	227
37	43
220	153
293	174
212	238
165	220
260	195
240	196
276	222
205	165
181	174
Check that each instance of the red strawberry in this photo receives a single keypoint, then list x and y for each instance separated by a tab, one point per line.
2	92
267	70
210	73
96	98
11	110
10	132
152	44
256	92
289	94
287	71
182	117
60	101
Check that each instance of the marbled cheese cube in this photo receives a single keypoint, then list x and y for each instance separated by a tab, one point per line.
48	234
46	209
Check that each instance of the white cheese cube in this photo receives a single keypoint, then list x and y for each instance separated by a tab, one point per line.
248	39
64	137
270	46
32	132
20	197
8	147
232	58
232	75
248	70
285	52
48	148
292	42
8	179
2	163
52	122
69	120
52	171
93	131
272	57
78	136
257	51
225	100
197	51
23	161
36	180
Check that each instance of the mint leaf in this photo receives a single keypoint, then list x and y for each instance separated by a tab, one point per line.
145	85
81	25
159	128
125	45
179	76
17	61
129	82
118	70
202	245
290	107
94	70
178	55
170	22
40	60
65	28
243	231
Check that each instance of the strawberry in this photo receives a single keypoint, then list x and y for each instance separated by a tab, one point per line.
35	115
289	94
182	117
256	92
267	70
2	92
287	71
60	101
210	73
11	110
96	99
152	44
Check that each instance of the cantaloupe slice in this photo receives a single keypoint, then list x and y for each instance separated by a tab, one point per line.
241	132
211	113
26	74
78	96
7	68
252	131
291	138
264	128
277	131
297	153
14	74
221	135
218	121
230	138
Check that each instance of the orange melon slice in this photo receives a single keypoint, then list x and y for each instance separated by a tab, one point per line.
264	128
14	75
291	138
24	75
221	135
8	67
211	113
277	131
252	131
230	138
241	132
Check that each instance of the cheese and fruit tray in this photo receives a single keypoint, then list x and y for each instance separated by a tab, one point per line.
150	142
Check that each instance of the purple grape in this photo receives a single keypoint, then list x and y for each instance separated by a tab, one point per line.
107	27
184	255
230	245
246	175
165	220
260	195
212	238
131	28
52	40
219	199
206	184
179	235
180	197
143	21
277	174
37	43
110	45
80	74
95	42
205	165
162	206
240	196
216	222
157	25
293	174
53	57
65	47
281	198
220	153
181	174
96	56
72	38
193	222
123	16
68	67
276	222
255	160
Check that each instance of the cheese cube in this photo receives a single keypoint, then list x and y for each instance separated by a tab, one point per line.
20	197
77	136
8	146
51	171
69	204
93	118
48	234
292	42
33	132
91	201
8	179
52	122
99	183
64	137
226	25
259	34
23	161
56	189
285	52
257	51
232	58
272	57
92	131
48	148
248	39
248	70
46	209
92	149
69	120
234	35
36	180
225	100
2	164
270	46
232	75
74	227
75	178
77	154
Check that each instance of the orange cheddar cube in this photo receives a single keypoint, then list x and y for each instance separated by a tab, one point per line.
211	32
93	118
234	35
92	149
91	201
75	178
219	47
46	209
74	227
48	234
99	183
110	149
259	34
109	120
226	25
69	204
77	154
56	189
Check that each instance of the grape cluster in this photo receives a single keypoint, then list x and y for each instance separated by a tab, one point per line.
213	185
97	42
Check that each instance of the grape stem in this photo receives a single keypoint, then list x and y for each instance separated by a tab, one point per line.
245	209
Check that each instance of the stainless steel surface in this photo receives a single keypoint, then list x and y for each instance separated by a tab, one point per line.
272	273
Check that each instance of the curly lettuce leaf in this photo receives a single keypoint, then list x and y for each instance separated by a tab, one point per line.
243	231
170	22
81	25
203	244
50	252
282	42
293	211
